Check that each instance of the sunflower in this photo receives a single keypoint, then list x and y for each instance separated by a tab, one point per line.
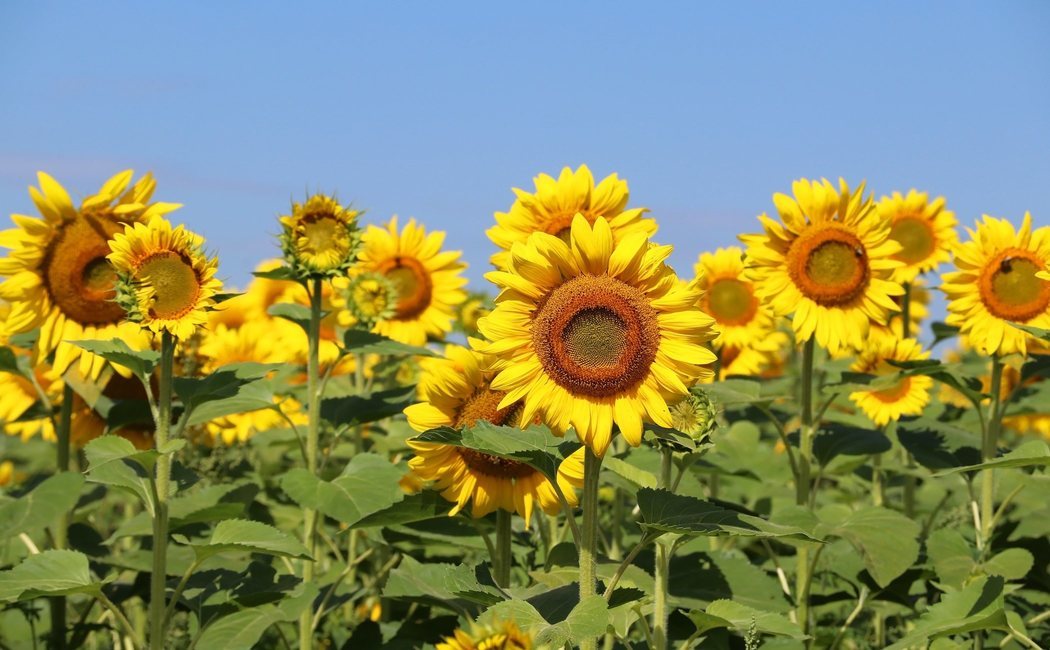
320	236
591	332
729	298
556	203
57	274
496	636
907	396
166	282
925	230
18	397
365	299
829	263
764	357
477	306
996	284
456	392
429	281
252	305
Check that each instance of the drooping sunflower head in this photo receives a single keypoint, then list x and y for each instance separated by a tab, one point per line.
166	282
997	282
320	237
366	299
457	392
429	281
828	262
57	274
496	635
729	298
924	229
556	202
593	333
907	396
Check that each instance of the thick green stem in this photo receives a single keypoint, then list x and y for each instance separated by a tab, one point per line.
158	579
502	561
313	378
662	569
592	466
802	481
878	489
989	449
909	478
60	532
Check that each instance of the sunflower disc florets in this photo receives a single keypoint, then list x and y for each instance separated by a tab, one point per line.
320	238
371	298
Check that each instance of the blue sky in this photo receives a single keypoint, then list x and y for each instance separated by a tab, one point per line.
435	110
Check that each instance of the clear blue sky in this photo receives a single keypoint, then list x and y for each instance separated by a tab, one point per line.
435	110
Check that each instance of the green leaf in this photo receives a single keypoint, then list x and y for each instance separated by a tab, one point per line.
241	535
242	630
361	342
414	507
588	619
942	332
535	446
298	314
736	392
951	556
369	484
13	363
206	505
1034	453
886	539
1037	332
1011	564
114	461
352	410
224	383
663	511
139	362
38	509
938	445
977	607
735	616
839	439
50	573
438	583
636	475
279	273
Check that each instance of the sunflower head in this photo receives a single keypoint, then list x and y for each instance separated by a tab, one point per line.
828	261
593	333
695	415
729	297
554	204
476	307
370	298
924	229
497	635
997	282
320	237
165	281
907	396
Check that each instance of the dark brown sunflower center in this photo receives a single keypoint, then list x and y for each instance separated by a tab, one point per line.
829	266
483	405
174	282
1010	289
494	466
413	284
916	238
596	336
730	302
77	274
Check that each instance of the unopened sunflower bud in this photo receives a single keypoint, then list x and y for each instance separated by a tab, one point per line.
370	298
320	237
695	415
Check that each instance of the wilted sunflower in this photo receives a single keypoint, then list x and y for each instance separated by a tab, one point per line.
729	298
829	263
58	277
556	203
497	636
166	282
456	392
320	237
925	230
429	281
997	283
593	333
908	396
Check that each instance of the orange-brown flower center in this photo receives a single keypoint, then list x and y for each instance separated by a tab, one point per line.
596	336
494	466
174	282
1010	289
483	405
77	275
894	393
916	237
413	284
730	301
829	265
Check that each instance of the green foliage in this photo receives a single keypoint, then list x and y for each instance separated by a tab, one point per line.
40	507
49	573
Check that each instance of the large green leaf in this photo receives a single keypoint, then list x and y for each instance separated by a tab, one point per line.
242	630
1034	453
636	475
368	484
298	314
243	536
39	508
361	342
886	539
736	616
737	392
414	507
226	382
666	512
951	556
114	461
13	363
1011	564
438	583
208	504
938	445
839	439
140	362
977	607
535	446
588	619
1037	332
50	573
352	410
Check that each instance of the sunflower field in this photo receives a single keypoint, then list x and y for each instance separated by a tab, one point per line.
778	448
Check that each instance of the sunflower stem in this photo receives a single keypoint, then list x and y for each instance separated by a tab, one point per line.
592	466
313	378
662	568
501	562
158	579
60	533
909	478
989	448
802	482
